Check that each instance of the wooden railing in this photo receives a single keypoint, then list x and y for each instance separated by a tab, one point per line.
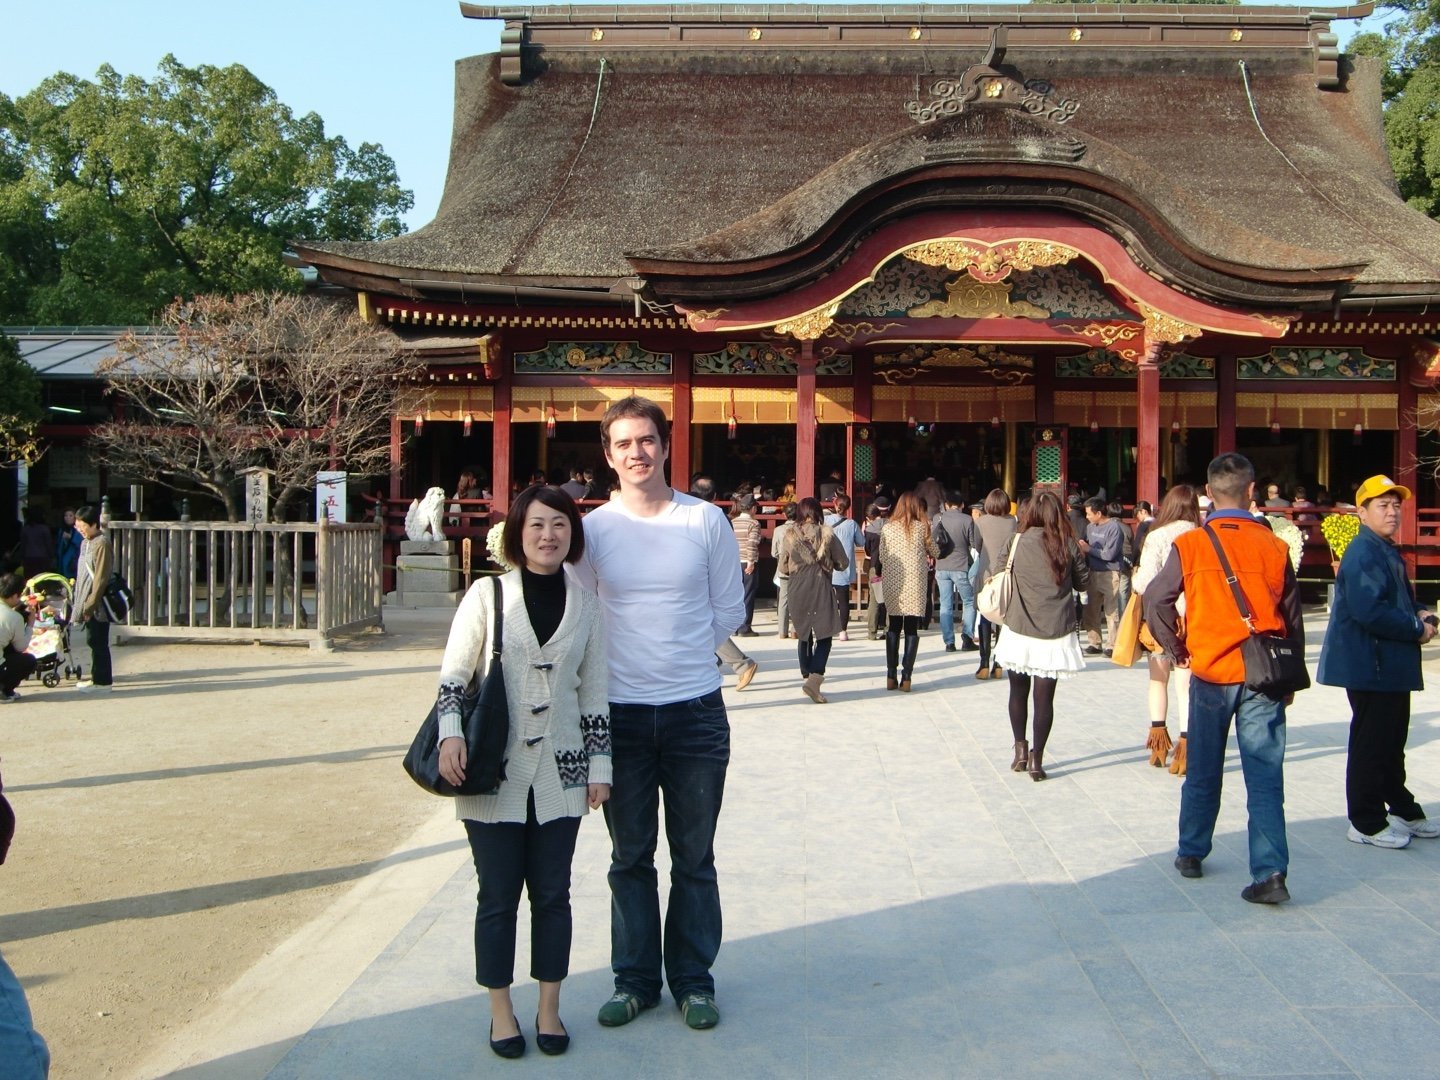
237	581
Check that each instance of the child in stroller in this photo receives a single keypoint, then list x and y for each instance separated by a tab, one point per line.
49	596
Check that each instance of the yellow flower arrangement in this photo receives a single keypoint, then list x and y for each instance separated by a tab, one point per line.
1339	530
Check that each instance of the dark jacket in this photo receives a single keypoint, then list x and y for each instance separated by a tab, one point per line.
1373	641
961	528
1107	545
1039	608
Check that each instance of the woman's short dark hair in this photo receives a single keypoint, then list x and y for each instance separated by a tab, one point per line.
555	498
89	515
808	509
997	503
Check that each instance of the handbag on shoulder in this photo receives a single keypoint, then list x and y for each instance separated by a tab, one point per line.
484	724
995	596
1274	665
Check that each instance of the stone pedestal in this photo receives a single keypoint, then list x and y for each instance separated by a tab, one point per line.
427	575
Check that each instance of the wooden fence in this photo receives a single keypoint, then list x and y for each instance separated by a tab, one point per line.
234	581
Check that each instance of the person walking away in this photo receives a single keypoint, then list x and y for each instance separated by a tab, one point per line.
67	547
952	570
667	571
905	551
747	538
847	532
1104	546
782	583
875	515
92	577
810	556
16	621
557	760
727	652
1039	646
1372	649
996	526
1210	646
1179	513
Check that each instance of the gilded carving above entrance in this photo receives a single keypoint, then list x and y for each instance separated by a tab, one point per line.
991	262
1066	291
950	96
970	299
916	359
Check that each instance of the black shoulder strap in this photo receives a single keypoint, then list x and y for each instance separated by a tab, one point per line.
499	634
1231	580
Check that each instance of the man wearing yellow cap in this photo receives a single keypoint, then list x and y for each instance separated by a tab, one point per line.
1372	649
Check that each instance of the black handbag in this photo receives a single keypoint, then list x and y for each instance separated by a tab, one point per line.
1274	665
485	725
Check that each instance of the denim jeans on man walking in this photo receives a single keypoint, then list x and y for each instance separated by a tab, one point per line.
951	582
679	751
1260	733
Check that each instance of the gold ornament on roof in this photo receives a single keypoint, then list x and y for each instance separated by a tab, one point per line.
597	34
991	262
755	34
700	315
1237	35
914	33
1277	322
969	299
811	324
1076	34
1167	328
993	88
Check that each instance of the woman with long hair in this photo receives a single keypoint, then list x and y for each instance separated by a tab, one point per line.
905	547
810	554
1039	646
997	526
1179	513
557	761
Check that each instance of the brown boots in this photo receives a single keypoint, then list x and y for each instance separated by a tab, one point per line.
1177	763
1022	756
812	689
1158	743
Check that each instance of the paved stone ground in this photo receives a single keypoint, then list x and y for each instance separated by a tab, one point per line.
898	903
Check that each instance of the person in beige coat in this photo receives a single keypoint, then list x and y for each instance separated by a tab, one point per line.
810	554
557	762
906	549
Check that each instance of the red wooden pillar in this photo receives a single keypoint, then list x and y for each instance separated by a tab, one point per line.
1407	473
681	431
397	442
1147	426
500	436
1224	404
805	422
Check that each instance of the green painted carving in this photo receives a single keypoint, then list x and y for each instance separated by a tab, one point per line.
1281	363
1103	364
843	364
763	358
584	357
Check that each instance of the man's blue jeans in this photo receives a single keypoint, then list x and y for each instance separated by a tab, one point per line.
1260	731
951	582
23	1053
680	751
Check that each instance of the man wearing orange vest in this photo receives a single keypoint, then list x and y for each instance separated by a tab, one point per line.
1209	646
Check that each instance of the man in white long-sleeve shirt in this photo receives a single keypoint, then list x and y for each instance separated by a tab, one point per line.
667	571
14	638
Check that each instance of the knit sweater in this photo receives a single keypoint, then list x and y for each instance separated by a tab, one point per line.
1156	550
558	695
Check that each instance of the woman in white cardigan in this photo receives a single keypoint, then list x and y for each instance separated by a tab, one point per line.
1179	513
557	763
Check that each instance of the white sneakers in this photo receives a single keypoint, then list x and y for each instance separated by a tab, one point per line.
1425	828
1388	837
85	686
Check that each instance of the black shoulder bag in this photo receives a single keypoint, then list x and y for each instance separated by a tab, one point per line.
1274	665
485	725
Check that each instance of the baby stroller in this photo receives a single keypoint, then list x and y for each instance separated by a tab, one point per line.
50	596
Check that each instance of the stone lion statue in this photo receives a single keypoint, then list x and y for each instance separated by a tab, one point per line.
423	519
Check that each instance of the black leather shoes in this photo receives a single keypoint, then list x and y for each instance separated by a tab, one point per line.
513	1047
1270	891
1189	866
554	1045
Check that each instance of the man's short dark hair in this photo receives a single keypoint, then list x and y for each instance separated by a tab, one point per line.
1074	501
702	487
1095	505
511	541
635	407
1229	476
89	515
952	498
1115	509
11	585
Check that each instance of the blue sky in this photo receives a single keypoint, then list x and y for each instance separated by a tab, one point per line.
375	70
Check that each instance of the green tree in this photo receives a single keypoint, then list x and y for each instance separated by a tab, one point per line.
1409	46
21	407
118	195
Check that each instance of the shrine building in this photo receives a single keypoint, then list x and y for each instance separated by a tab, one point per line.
1023	245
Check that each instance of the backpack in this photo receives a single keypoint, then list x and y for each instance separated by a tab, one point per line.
943	540
118	600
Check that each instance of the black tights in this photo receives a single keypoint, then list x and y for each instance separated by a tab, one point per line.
985	631
909	626
1044	708
814	654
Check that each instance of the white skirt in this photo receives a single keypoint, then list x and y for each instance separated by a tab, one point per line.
1045	658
